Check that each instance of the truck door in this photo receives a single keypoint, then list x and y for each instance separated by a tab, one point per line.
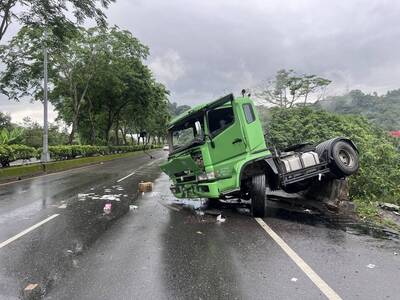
226	133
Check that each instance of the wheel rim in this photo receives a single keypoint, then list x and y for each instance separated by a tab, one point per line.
345	158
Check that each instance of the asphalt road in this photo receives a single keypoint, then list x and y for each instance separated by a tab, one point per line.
162	248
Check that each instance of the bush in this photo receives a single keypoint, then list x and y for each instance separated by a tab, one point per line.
10	153
379	176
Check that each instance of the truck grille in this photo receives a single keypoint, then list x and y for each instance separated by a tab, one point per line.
185	178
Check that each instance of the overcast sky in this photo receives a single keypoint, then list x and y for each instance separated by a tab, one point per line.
204	49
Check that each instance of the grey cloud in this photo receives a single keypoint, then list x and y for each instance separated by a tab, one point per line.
220	46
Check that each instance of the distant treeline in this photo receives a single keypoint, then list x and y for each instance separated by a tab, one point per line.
383	111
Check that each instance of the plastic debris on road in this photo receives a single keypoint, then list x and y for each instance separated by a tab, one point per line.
133	207
110	197
294	279
371	266
107	208
221	219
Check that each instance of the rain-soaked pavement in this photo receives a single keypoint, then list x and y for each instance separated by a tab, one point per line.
153	246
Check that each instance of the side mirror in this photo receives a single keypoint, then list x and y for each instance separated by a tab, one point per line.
199	130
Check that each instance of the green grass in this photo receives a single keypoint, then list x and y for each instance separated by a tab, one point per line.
368	211
20	172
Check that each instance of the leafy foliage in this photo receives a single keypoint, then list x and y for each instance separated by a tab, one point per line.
10	153
53	13
100	85
10	136
379	176
289	88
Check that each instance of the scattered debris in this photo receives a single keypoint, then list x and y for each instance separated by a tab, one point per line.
221	219
32	291
110	197
390	206
371	266
308	211
294	279
396	253
133	207
63	206
200	212
107	208
145	187
199	232
75	263
212	212
107	191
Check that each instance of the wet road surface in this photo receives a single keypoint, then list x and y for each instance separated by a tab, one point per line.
160	249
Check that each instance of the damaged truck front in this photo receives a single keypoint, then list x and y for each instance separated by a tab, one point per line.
218	151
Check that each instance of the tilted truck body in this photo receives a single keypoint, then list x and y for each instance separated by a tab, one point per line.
218	151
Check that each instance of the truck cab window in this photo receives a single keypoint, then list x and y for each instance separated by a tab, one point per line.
219	119
249	113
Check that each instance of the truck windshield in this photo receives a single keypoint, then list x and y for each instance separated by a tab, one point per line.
187	134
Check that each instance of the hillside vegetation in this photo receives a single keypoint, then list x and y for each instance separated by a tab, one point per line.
378	179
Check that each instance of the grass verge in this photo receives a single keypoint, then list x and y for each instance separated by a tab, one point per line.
368	211
22	172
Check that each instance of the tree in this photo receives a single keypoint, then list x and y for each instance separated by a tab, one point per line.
5	120
288	88
53	13
379	176
176	109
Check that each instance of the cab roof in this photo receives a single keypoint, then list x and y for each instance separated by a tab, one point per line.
200	108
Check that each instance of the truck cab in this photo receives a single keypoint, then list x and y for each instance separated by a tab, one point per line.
209	144
218	150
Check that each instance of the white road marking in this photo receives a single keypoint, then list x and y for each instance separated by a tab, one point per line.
321	284
134	172
127	176
22	233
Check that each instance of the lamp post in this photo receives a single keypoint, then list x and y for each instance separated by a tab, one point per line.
45	157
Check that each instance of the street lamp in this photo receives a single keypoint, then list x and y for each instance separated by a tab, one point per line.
45	157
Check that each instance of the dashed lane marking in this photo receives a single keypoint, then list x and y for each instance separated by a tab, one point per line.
318	281
146	165
22	233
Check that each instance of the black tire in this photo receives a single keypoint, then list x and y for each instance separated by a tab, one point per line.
258	196
345	159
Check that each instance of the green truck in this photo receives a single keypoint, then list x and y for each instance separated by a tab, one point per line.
218	151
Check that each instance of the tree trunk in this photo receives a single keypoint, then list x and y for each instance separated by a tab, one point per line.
124	136
116	132
73	130
132	139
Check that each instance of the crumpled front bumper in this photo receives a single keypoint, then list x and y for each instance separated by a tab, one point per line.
196	190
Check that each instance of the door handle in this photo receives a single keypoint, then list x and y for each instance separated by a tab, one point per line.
235	141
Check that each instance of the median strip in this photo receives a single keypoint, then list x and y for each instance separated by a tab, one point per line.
318	281
22	233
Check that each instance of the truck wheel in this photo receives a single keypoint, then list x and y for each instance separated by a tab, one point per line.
258	196
345	159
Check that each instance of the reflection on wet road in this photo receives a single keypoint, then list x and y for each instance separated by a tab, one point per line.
154	246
